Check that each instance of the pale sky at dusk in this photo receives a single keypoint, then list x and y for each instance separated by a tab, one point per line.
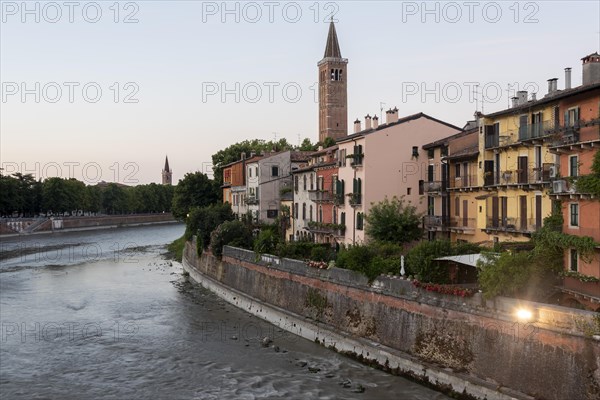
179	56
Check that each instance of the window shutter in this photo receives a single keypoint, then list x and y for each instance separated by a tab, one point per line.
566	118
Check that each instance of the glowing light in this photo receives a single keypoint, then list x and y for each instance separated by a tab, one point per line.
523	314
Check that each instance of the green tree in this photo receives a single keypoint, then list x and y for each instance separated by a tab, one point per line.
230	233
327	142
9	195
394	221
306	145
203	220
114	199
194	190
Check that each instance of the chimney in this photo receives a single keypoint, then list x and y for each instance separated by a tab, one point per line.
515	101
320	148
252	154
391	115
533	96
522	95
567	78
357	126
591	69
375	122
367	122
552	85
243	155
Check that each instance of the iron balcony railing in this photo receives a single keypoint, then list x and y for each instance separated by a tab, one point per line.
432	186
320	196
434	221
463	181
513	224
537	130
527	176
463	223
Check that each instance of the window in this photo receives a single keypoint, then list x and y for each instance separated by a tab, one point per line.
312	181
415	151
296	210
457	206
430	205
320	214
444	151
335	217
573	166
343	218
457	170
320	185
304	211
274	170
573	260
250	172
256	192
271	213
359	221
310	213
430	153
572	117
421	187
304	182
574	215
296	182
408	190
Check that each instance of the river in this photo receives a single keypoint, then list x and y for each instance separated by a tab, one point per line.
104	315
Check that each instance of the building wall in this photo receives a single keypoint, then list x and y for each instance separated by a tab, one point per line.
252	184
389	168
270	185
302	198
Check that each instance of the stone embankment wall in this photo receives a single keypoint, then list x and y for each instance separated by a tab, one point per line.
39	225
467	344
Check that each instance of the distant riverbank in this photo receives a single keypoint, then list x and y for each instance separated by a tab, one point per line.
29	226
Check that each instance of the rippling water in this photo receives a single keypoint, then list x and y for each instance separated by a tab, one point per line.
104	315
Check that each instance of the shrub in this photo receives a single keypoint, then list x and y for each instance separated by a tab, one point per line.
322	253
203	220
231	233
266	242
394	221
419	259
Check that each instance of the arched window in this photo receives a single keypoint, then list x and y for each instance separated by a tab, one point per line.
335	217
320	214
310	210
304	179
303	210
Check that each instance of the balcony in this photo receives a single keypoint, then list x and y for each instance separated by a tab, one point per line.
251	200
356	160
463	182
434	222
536	131
355	199
513	225
577	135
432	186
523	177
326	228
463	225
321	196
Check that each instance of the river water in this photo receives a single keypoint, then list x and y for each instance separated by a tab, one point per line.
104	315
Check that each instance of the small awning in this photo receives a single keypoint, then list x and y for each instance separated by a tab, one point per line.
466	259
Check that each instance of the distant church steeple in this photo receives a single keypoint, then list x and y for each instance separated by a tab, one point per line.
167	174
333	97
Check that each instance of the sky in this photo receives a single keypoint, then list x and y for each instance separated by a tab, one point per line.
105	90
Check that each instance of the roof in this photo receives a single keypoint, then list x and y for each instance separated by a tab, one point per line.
444	141
464	153
314	166
560	94
325	150
332	48
465	259
167	164
591	55
400	121
300	155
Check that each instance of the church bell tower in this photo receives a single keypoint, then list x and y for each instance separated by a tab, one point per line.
333	98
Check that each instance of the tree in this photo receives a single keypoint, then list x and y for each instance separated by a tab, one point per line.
233	233
203	220
419	259
306	145
194	190
9	195
394	221
327	142
114	199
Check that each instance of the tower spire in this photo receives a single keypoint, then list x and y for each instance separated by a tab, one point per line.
333	98
167	174
332	49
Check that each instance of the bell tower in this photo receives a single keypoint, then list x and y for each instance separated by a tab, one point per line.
333	98
167	174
